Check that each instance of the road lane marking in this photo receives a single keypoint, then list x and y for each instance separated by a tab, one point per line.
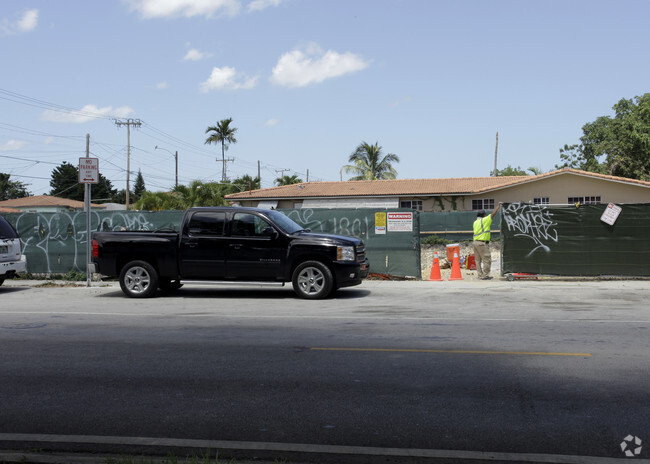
215	445
418	350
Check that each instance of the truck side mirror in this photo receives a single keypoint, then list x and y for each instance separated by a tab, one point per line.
270	232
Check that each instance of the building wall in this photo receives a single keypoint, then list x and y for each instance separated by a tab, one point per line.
557	189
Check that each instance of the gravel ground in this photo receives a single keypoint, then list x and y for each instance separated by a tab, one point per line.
427	253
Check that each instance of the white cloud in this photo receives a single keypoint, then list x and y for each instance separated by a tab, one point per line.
27	22
227	78
272	122
195	55
188	8
85	114
259	5
299	68
12	145
161	85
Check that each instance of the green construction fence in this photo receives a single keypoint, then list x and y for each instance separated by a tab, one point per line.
55	243
576	240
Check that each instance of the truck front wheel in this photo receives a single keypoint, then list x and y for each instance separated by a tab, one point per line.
312	280
138	279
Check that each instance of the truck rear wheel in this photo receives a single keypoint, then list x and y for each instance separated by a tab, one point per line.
312	280
138	279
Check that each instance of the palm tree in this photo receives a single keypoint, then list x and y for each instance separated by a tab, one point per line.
224	134
288	180
371	164
246	182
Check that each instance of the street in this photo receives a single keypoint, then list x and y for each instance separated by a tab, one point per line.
539	371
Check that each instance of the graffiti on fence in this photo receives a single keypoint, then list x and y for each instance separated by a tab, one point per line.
532	221
352	227
56	242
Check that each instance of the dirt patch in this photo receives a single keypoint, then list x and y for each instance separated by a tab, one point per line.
465	248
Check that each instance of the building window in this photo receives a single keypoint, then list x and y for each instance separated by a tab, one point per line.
594	200
483	204
540	201
413	204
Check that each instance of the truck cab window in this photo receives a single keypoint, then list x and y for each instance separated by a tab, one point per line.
248	225
207	223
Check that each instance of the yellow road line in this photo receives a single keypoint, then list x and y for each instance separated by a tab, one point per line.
409	350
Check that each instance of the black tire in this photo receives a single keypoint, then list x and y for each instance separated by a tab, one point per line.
2	281
312	280
169	286
139	279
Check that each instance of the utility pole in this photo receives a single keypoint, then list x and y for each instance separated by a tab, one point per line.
259	174
282	171
128	123
175	156
496	148
224	177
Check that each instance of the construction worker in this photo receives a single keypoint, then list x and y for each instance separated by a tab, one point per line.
481	243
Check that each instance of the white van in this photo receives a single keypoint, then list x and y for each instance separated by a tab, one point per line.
12	261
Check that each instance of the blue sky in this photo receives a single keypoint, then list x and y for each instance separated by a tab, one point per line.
306	81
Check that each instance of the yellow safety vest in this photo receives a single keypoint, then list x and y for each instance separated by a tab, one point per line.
482	228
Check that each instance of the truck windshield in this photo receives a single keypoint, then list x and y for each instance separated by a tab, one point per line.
286	224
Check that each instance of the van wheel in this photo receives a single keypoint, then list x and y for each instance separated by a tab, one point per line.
312	280
138	279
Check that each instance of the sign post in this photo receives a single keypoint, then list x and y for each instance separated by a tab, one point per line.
88	174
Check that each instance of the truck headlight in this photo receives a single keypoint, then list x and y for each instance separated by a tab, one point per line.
345	253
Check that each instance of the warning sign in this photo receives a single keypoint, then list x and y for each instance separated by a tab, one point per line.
400	222
611	214
88	170
380	223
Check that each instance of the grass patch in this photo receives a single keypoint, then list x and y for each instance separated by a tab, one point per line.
435	240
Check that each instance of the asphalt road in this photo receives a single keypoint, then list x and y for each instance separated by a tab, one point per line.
498	371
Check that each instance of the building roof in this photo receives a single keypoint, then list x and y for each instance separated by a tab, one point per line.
45	201
406	187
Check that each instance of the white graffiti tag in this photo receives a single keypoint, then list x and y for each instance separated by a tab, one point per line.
532	221
56	242
357	227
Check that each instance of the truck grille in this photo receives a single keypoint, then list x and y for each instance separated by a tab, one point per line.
361	253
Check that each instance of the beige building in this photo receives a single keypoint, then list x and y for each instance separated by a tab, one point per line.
45	204
565	186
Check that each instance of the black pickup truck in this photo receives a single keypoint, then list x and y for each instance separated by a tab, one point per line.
230	244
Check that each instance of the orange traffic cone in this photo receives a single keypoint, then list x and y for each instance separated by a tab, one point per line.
435	269
455	269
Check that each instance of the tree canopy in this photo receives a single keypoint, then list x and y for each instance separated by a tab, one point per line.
618	145
511	171
288	180
138	187
11	189
65	184
197	193
369	163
